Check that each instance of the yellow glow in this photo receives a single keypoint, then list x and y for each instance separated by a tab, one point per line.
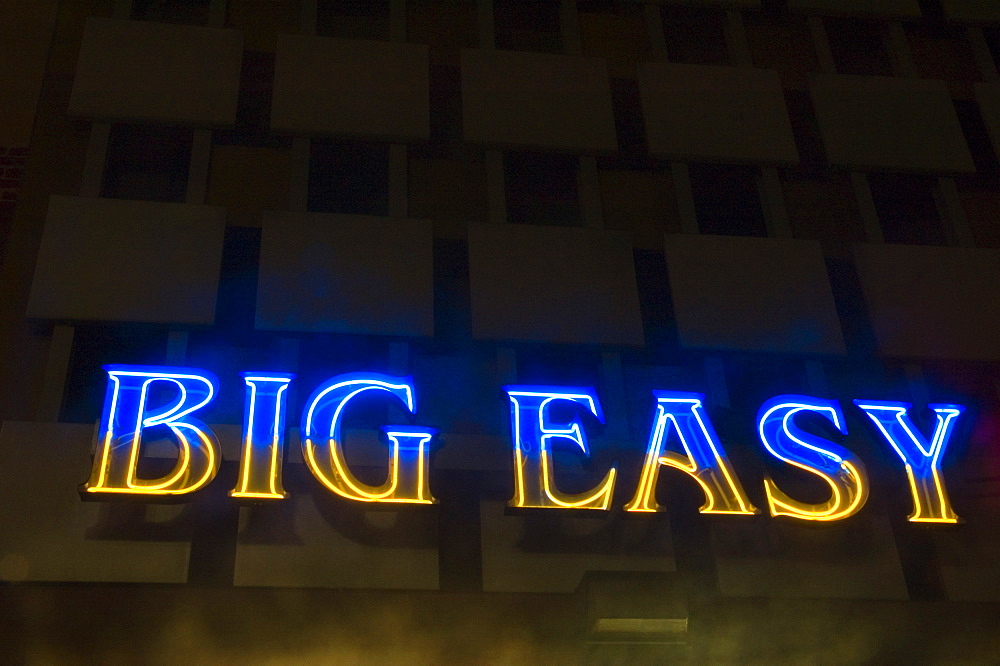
123	479
343	483
183	460
599	498
849	494
102	476
930	499
173	485
723	492
103	469
928	507
360	490
534	477
247	468
244	481
645	500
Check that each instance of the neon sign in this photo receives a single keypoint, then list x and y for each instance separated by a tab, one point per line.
541	416
322	442
705	460
263	436
127	416
844	473
923	461
533	433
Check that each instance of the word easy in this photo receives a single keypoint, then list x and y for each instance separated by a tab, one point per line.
128	412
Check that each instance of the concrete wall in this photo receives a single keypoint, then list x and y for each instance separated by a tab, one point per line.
345	273
951	292
351	87
315	539
887	8
467	307
24	42
889	123
553	285
49	534
753	294
727	114
534	100
971	10
552	554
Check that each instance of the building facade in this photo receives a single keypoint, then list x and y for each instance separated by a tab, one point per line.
734	199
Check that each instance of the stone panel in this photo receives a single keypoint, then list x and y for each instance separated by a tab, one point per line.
48	533
701	112
143	70
345	273
537	100
933	302
117	260
889	123
758	294
553	284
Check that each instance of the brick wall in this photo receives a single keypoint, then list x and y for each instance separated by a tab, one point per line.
11	170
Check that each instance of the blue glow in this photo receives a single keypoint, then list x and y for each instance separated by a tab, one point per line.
922	459
533	433
786	441
407	480
263	436
704	458
837	466
126	414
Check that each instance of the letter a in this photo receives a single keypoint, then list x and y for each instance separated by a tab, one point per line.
705	461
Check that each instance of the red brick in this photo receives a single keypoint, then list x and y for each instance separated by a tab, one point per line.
9	196
19	152
15	173
9	184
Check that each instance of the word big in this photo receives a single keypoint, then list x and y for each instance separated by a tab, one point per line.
127	413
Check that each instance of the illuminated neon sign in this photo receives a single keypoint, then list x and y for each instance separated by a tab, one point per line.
533	433
127	416
703	458
837	466
322	441
147	402
263	436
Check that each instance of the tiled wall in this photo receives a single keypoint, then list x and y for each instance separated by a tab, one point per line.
630	137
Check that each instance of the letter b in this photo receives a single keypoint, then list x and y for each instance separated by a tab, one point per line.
127	413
